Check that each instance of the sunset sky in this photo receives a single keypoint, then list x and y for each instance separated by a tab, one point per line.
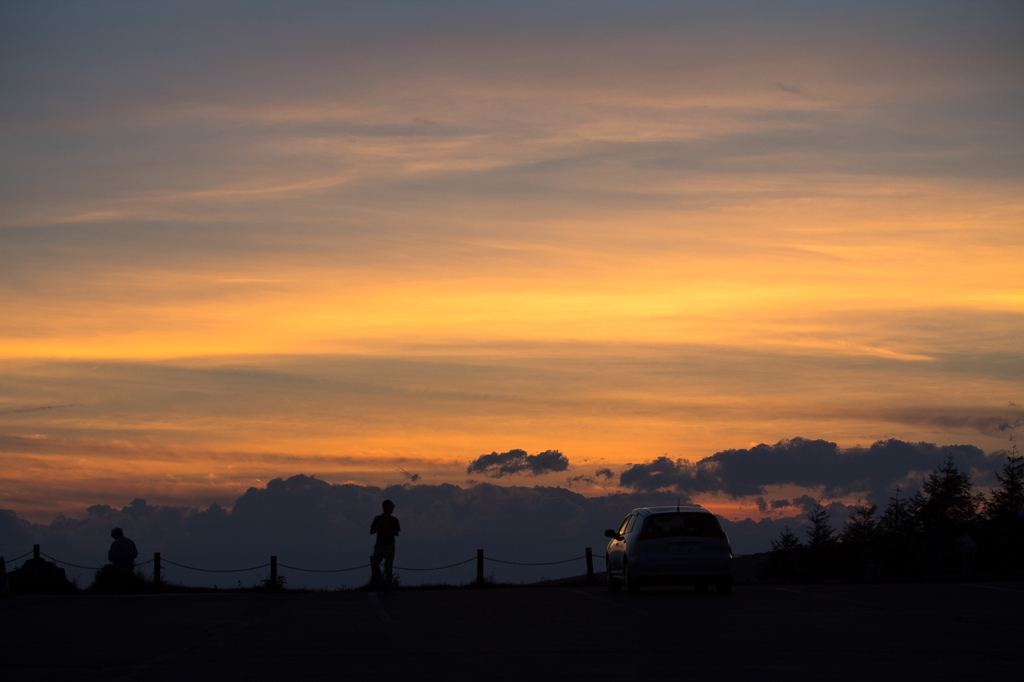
372	242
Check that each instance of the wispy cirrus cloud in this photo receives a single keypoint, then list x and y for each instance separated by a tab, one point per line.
384	235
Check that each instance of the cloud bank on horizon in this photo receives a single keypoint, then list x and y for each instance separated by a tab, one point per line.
310	523
239	242
809	464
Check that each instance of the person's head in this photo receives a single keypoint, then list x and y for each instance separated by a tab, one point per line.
388	506
117	533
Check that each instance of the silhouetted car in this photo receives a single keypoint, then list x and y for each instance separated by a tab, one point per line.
682	545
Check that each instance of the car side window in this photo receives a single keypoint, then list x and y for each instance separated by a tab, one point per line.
625	521
632	522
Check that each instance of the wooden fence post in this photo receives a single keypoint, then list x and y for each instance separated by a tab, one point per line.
590	566
479	567
156	568
273	572
35	552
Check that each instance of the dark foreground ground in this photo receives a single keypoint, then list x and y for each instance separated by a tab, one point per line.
848	632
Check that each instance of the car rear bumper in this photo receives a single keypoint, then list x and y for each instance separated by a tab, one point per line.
654	579
697	570
698	565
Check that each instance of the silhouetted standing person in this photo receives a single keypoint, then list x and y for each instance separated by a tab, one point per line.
122	552
386	528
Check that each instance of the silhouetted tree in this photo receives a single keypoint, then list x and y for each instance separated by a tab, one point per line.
820	535
946	496
897	520
862	526
897	535
860	543
784	561
788	543
1008	499
820	556
1006	528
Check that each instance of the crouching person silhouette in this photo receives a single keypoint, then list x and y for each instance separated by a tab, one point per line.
122	554
386	528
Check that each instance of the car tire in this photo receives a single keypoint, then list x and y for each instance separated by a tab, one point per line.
631	581
724	586
613	584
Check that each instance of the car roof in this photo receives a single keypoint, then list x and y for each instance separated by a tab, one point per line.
677	508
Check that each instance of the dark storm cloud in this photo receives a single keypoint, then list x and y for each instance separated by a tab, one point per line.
779	504
801	462
517	461
604	473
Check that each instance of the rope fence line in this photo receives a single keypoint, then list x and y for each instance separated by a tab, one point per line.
68	563
546	563
314	570
17	558
356	568
273	565
439	568
323	570
216	570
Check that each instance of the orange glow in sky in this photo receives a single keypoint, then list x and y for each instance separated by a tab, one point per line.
386	255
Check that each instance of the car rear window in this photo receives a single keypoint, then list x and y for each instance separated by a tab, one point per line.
680	524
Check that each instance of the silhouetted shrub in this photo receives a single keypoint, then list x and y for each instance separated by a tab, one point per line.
268	585
119	582
39	576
